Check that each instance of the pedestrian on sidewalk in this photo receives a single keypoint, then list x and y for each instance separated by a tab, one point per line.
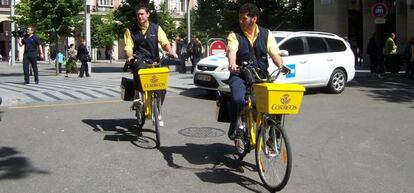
196	52
31	47
83	56
60	59
372	51
71	62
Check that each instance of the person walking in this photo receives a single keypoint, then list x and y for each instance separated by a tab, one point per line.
31	47
71	63
372	50
196	52
390	50
252	44
60	59
83	56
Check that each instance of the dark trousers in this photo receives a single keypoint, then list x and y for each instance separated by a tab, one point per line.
194	62
238	91
60	67
410	69
30	58
373	63
84	68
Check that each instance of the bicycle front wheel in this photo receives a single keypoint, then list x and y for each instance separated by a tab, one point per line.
156	107
140	111
273	156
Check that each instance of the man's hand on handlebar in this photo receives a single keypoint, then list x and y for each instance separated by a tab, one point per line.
285	70
130	59
234	68
171	54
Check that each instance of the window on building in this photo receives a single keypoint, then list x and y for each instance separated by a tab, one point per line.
294	46
1	27
335	45
106	3
4	2
316	45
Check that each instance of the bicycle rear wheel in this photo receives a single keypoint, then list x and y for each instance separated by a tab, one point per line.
140	111
156	107
273	156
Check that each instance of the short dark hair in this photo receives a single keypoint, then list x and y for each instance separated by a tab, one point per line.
142	6
249	8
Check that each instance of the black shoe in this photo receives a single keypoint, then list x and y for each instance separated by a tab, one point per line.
25	82
37	82
231	134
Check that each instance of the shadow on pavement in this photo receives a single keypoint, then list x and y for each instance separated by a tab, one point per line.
393	88
199	93
224	167
13	166
123	130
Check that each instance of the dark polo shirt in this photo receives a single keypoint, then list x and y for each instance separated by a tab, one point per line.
31	44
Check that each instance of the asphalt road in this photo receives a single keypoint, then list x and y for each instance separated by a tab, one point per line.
358	141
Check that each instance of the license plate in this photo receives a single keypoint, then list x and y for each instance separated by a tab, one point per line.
203	77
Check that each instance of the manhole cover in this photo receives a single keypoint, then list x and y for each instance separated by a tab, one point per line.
201	132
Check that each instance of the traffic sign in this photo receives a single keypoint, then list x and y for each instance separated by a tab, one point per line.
379	10
217	47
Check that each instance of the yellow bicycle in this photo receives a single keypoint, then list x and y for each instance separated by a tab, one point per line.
265	108
147	104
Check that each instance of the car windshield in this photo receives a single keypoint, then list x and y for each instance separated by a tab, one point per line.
278	39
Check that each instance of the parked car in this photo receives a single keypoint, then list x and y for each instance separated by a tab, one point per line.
316	59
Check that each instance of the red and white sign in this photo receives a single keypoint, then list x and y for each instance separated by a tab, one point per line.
217	47
379	10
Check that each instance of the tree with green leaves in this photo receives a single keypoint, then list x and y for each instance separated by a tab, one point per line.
103	31
50	18
216	18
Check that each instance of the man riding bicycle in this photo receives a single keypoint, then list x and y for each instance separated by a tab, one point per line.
249	43
141	44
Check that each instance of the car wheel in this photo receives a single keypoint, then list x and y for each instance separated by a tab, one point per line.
337	82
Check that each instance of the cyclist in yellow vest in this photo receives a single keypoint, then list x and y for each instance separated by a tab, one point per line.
248	43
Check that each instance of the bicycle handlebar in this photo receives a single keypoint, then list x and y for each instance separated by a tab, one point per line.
268	77
148	62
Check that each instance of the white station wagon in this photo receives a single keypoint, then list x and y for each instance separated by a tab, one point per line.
316	59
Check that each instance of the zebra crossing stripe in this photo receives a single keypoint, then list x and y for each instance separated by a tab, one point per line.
52	96
33	97
70	95
103	93
66	85
20	86
113	90
10	89
87	94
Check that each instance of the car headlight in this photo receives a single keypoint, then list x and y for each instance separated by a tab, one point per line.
222	68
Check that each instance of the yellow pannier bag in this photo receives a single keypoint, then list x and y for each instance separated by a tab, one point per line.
278	98
154	78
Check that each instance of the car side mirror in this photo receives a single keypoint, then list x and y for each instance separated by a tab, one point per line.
284	53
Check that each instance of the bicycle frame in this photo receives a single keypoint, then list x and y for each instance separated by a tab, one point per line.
253	124
148	104
148	98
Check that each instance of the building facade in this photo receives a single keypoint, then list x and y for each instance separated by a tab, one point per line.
359	19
